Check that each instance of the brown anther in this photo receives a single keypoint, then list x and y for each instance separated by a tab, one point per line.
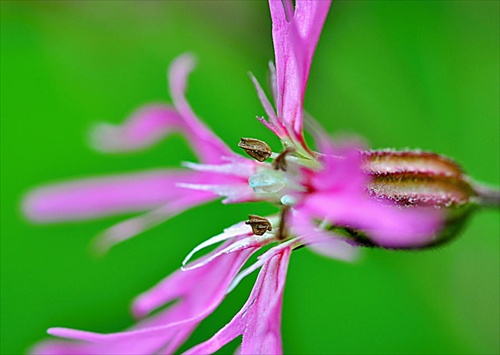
279	162
260	225
257	149
282	227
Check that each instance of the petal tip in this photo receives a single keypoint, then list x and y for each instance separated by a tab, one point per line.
35	206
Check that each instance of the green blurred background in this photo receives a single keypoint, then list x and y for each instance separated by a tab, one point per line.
412	74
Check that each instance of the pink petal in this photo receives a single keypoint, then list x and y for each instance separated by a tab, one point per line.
295	38
94	197
229	179
233	193
206	144
145	127
202	288
149	124
274	123
61	347
234	238
237	166
321	241
274	81
163	192
134	226
259	321
262	259
387	225
341	172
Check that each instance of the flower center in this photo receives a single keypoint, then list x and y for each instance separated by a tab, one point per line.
268	181
277	181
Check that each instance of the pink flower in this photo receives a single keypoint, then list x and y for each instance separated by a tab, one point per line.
321	196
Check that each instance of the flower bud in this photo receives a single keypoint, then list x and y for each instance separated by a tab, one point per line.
411	179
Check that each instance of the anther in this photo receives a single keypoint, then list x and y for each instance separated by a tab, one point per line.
260	225
279	162
257	149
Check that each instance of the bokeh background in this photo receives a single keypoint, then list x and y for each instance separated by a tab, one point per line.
418	74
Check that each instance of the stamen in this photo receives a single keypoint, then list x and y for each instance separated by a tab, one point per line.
279	162
282	227
260	225
257	149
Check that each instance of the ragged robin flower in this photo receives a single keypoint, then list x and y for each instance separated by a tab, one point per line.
332	200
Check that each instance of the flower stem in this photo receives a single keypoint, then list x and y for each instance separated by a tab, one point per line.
488	196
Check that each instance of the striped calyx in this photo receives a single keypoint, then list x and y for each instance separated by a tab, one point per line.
413	178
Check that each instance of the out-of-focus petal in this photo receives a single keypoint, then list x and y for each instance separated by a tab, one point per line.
239	167
145	127
152	122
64	347
165	193
94	197
207	145
236	192
259	320
136	225
321	241
388	226
198	292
